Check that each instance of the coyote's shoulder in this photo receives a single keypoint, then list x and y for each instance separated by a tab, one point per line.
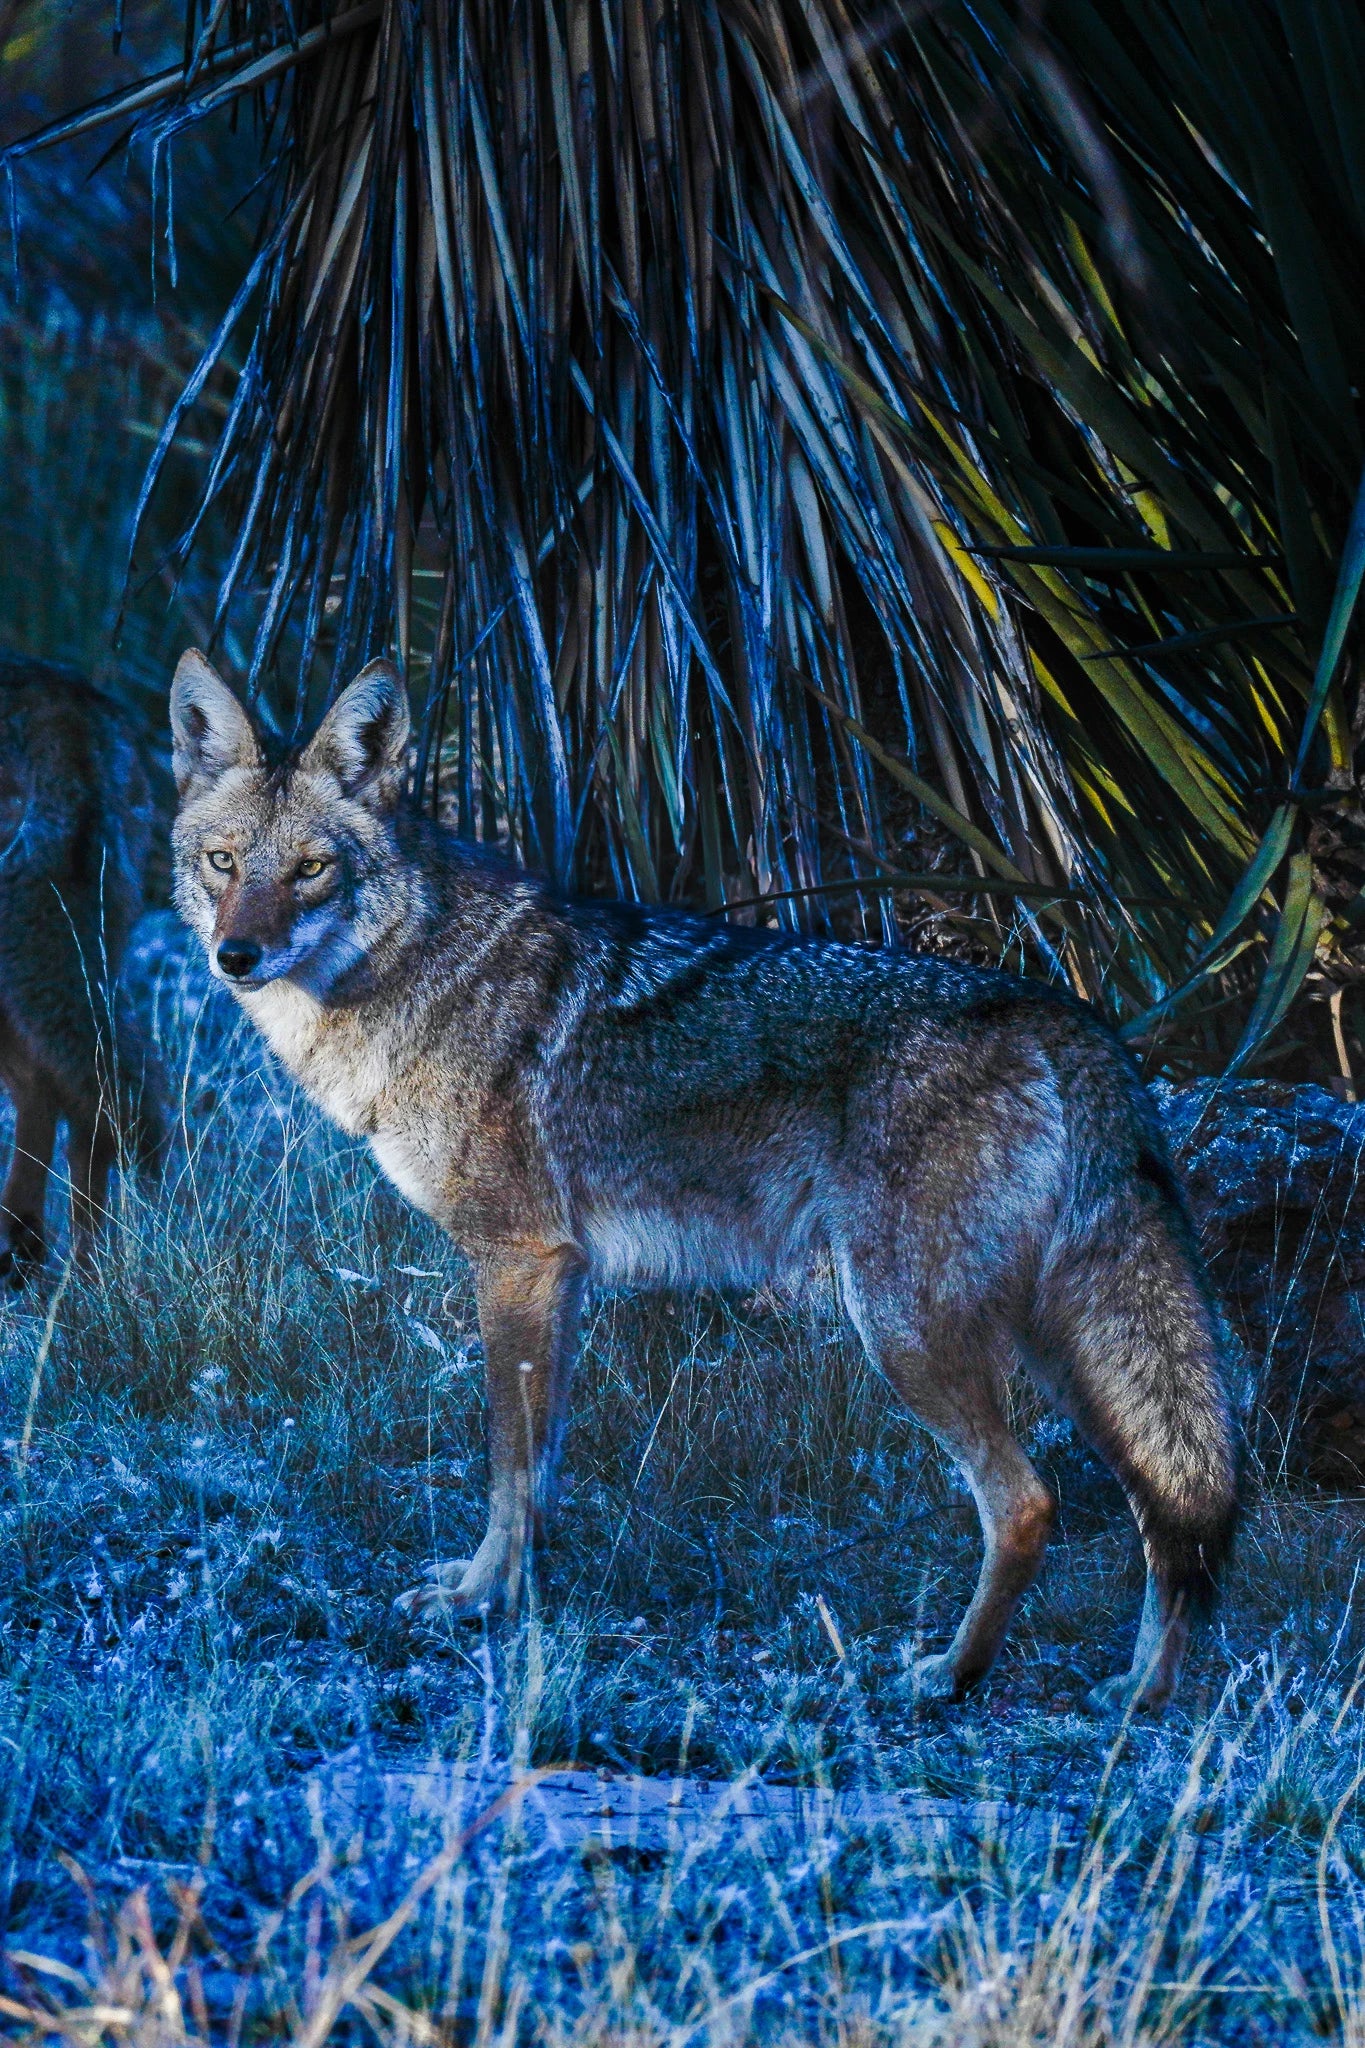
596	1092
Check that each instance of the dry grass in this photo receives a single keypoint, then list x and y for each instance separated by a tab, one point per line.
224	1457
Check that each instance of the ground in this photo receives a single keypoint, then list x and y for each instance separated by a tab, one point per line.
225	1454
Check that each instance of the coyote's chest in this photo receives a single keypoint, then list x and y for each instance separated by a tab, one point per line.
353	1069
345	1071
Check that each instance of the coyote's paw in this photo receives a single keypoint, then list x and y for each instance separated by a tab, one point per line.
446	1592
933	1678
1123	1694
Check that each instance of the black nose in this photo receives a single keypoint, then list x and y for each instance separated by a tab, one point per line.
237	957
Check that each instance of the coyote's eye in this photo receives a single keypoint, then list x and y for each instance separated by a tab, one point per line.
220	860
310	869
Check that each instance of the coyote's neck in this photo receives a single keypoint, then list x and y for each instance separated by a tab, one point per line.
345	1069
335	1032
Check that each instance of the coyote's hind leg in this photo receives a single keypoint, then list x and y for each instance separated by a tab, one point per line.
529	1302
1162	1637
952	1379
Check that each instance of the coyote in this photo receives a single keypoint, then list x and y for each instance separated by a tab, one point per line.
75	824
596	1092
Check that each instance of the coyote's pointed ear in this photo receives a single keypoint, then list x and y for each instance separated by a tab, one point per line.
211	731
363	740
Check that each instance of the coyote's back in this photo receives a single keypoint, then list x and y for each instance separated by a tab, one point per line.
75	826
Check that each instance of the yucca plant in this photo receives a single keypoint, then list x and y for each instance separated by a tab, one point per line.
795	443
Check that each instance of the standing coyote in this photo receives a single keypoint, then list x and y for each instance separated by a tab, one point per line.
75	823
596	1092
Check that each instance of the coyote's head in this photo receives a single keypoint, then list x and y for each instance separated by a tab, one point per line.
287	868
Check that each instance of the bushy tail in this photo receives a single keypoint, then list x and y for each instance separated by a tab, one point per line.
1140	1348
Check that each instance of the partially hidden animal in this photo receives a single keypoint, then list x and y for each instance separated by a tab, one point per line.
75	829
594	1092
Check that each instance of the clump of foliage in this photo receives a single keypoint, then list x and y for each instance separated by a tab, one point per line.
786	440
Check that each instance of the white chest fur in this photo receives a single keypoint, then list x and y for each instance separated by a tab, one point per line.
344	1072
289	1018
403	1159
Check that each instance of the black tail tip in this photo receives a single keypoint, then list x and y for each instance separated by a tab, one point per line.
1189	1554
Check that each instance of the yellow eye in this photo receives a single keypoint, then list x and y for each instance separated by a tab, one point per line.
309	870
219	860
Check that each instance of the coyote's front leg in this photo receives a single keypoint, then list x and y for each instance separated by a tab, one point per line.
529	1300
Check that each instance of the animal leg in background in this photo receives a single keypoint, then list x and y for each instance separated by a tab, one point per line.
22	1241
92	1146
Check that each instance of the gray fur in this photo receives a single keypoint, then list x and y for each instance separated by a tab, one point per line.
592	1092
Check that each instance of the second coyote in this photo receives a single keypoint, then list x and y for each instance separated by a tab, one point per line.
591	1092
75	825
